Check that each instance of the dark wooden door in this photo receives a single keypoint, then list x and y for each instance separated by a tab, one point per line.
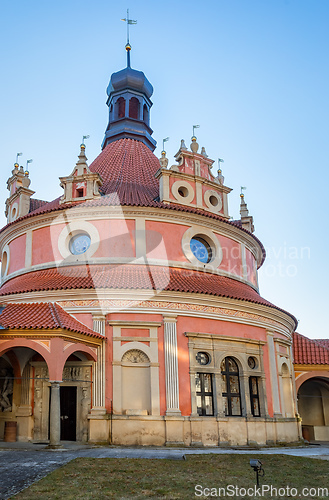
68	397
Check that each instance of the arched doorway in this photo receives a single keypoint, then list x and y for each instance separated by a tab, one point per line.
313	406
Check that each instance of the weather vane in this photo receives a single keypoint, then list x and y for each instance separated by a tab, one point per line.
163	142
128	21
220	160
194	127
27	166
18	154
242	189
85	137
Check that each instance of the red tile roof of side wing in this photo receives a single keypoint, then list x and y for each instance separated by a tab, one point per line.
308	351
323	342
135	277
128	168
42	315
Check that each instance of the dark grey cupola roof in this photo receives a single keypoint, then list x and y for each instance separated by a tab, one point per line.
129	103
132	79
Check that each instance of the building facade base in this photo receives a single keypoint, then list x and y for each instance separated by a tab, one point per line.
192	431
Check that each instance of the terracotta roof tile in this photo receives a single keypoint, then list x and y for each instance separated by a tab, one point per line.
35	204
310	352
42	315
135	277
128	168
323	342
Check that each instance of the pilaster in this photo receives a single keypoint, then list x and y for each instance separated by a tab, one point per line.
171	365
273	374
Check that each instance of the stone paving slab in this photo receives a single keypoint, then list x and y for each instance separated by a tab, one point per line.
22	464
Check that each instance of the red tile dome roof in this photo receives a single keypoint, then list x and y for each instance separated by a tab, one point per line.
128	168
134	277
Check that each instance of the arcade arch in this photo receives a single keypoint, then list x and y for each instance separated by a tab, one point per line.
313	406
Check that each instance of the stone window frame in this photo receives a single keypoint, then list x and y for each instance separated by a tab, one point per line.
212	193
71	229
212	240
218	347
4	272
14	212
205	394
177	185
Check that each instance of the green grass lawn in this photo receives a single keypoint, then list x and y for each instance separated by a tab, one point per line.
93	478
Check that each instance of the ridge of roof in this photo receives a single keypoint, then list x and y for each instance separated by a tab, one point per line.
46	315
323	342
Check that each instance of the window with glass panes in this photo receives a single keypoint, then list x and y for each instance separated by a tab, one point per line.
254	396
231	387
204	395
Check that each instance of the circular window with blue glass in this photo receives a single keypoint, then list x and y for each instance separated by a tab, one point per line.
201	249
79	243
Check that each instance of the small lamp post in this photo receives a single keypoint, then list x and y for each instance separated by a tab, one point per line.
257	466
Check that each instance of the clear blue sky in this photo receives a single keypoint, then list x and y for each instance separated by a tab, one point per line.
253	73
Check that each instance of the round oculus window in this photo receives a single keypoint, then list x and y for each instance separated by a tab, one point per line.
201	249
79	243
202	358
252	362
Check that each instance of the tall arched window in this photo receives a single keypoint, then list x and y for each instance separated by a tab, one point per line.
134	108
231	387
145	114
121	107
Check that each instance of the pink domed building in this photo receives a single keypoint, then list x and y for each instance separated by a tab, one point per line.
130	304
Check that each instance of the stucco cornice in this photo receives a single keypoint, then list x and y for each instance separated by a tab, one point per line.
180	303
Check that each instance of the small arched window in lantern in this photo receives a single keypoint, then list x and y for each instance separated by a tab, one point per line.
134	108
121	107
145	114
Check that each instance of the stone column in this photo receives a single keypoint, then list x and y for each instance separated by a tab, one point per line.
55	423
171	365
